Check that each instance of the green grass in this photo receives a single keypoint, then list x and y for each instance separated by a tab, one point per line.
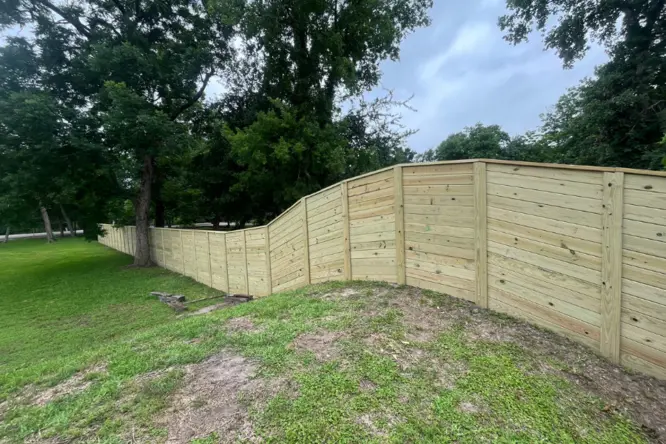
74	306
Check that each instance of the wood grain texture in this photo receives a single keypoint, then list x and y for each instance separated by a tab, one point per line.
611	265
399	226
306	240
481	234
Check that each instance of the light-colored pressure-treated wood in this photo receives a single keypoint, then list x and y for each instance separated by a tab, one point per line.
611	265
401	275
345	232
480	234
578	250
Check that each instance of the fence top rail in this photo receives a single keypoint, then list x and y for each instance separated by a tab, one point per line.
563	166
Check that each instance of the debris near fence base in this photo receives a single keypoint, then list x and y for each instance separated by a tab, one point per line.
179	304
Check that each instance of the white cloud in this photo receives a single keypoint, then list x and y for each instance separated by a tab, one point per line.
472	39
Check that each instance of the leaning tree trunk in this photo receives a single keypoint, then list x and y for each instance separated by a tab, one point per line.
142	210
47	225
7	234
70	227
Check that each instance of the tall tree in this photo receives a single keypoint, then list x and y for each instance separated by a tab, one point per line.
138	66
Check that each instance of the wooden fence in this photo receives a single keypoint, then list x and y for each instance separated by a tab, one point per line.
578	250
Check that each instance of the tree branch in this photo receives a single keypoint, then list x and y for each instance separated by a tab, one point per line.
195	98
120	7
72	20
106	25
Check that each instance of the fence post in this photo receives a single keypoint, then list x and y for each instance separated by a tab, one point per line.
401	273
182	252
611	264
210	263
196	260
345	232
247	273
269	276
226	261
480	234
306	243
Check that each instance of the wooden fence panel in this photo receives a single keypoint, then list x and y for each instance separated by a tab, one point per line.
255	243
325	235
578	250
236	262
439	239
535	269
217	245
643	314
371	201
287	246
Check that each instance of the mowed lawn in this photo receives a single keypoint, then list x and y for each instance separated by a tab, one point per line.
87	355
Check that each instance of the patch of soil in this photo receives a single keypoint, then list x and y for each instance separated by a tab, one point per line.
209	309
241	324
75	384
216	397
322	344
367	386
378	424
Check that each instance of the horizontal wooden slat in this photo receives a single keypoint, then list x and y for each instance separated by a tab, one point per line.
542	223
440	229
554	199
442	287
642	182
464	168
587	177
545	184
548	301
439	190
536	272
438	179
554	252
591	339
439	269
546	210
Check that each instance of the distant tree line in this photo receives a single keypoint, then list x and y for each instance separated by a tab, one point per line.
103	114
616	118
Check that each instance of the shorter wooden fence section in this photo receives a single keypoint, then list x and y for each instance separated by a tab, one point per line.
578	250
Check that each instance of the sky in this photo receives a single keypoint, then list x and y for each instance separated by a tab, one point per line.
461	72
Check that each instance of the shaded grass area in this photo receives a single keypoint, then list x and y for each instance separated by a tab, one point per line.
75	307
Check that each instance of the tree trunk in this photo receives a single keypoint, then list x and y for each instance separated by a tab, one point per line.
62	229
159	213
216	223
157	196
7	234
70	227
47	225
142	210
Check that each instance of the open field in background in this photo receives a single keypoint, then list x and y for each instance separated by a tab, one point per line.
86	355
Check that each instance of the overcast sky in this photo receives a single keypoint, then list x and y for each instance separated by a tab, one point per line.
461	72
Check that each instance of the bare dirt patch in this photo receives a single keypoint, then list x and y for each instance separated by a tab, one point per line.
241	324
76	384
215	398
378	424
321	344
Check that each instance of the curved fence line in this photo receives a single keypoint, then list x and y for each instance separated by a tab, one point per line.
578	250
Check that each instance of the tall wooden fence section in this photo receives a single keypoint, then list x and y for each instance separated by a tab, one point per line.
578	250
